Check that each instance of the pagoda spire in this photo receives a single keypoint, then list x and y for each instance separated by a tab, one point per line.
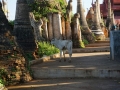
109	21
86	32
112	18
22	27
80	10
92	2
98	8
109	9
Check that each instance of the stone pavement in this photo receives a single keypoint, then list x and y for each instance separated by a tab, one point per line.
95	64
95	60
70	84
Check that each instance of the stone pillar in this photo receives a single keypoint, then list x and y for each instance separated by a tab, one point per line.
96	29
68	30
98	9
86	32
109	9
63	28
108	21
92	14
45	29
69	10
115	45
57	27
76	31
22	27
50	26
112	18
80	10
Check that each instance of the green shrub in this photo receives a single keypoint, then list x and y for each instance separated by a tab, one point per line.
82	44
3	74
42	8
29	56
11	23
45	48
85	41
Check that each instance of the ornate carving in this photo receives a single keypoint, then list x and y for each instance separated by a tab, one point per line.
37	27
76	31
69	10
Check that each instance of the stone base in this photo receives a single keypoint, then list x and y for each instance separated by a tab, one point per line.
99	36
89	36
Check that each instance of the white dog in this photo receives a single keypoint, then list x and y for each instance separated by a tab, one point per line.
62	45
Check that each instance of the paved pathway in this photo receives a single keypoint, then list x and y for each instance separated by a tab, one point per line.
94	60
69	84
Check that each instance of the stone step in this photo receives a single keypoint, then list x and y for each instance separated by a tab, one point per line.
102	41
92	49
75	50
83	65
97	44
69	84
74	73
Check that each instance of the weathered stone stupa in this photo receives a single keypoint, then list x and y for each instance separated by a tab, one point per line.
11	57
22	27
96	29
86	32
80	10
108	21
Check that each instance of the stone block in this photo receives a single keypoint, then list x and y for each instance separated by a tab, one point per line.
115	45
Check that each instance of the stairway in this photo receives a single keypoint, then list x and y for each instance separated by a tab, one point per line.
90	62
99	44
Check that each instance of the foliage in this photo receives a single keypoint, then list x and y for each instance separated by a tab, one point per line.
11	22
94	35
82	44
29	56
42	8
45	48
2	76
85	41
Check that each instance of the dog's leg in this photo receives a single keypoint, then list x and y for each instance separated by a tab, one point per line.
70	58
64	55
60	55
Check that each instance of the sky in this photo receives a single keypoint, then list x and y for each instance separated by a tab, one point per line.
12	6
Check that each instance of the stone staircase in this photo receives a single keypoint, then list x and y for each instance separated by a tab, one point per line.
99	44
90	62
